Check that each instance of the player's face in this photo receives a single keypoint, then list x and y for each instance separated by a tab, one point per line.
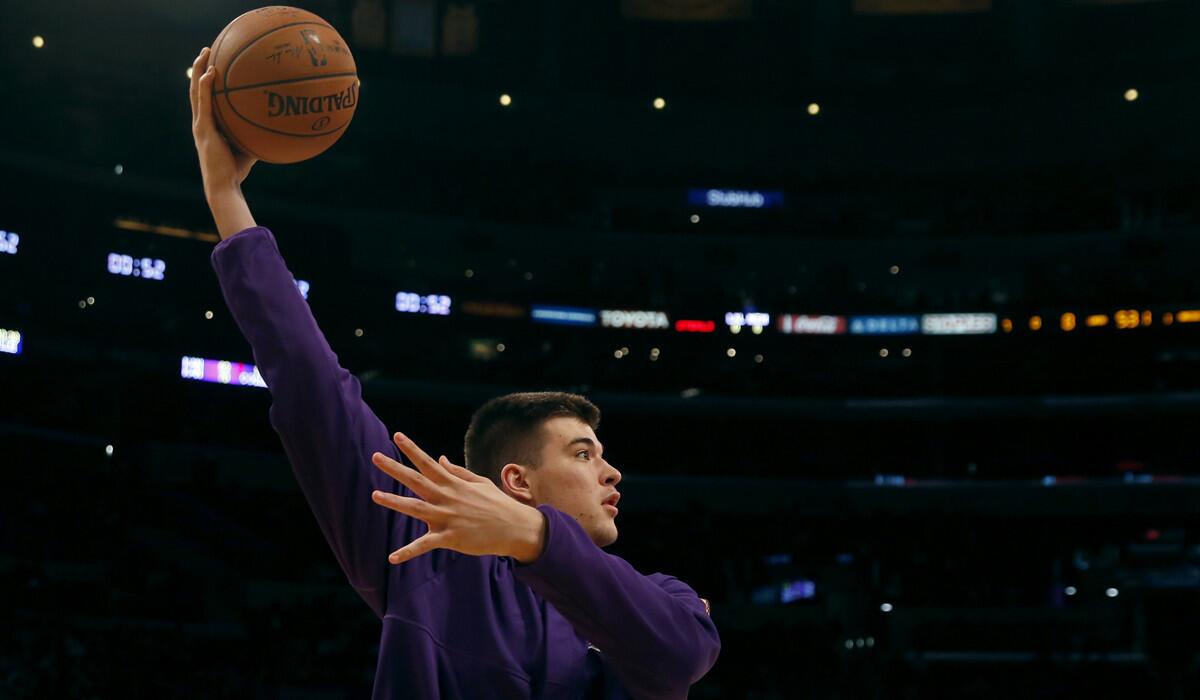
575	478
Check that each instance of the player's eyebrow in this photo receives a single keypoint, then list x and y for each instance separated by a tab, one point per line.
586	441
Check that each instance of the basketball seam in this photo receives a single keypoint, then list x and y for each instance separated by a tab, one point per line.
228	133
288	133
284	82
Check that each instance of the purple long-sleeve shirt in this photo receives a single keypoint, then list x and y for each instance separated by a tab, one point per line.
576	623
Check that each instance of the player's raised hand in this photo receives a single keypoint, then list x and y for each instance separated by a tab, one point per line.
221	166
465	512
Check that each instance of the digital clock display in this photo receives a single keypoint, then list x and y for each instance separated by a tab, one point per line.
432	304
129	266
8	242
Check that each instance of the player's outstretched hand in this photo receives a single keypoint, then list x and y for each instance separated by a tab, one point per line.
465	512
221	166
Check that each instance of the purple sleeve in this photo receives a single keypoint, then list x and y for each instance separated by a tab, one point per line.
317	409
654	630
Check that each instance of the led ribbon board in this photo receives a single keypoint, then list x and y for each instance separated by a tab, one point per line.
563	315
220	372
958	324
884	325
736	319
615	318
793	324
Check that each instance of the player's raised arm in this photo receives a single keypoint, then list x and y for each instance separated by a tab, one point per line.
328	432
222	168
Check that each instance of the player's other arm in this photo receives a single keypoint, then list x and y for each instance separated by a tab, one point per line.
654	630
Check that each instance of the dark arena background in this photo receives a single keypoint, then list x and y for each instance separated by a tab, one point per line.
892	308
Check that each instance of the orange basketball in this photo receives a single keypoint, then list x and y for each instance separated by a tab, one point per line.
286	85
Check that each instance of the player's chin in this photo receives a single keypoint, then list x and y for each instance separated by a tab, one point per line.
608	535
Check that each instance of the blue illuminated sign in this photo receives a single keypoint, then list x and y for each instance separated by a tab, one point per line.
884	325
563	315
801	589
736	199
10	342
9	242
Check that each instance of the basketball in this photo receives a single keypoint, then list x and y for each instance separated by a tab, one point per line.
286	85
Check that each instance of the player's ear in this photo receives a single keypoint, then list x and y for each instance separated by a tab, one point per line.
514	480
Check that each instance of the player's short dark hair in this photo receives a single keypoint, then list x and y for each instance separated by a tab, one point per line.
508	429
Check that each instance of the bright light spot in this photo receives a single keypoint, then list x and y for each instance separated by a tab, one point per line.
38	42
469	273
505	100
82	304
91	301
849	643
108	450
860	642
208	315
1070	590
731	352
1131	95
1067	321
1007	325
695	218
1035	323
814	109
870	641
907	352
886	607
1111	592
358	332
895	269
118	169
659	103
883	352
189	72
758	359
499	347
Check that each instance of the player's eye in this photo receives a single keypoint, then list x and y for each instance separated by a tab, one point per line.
584	452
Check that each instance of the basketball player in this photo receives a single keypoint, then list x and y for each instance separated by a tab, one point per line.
491	583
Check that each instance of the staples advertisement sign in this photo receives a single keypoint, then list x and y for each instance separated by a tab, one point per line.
615	318
793	324
958	324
